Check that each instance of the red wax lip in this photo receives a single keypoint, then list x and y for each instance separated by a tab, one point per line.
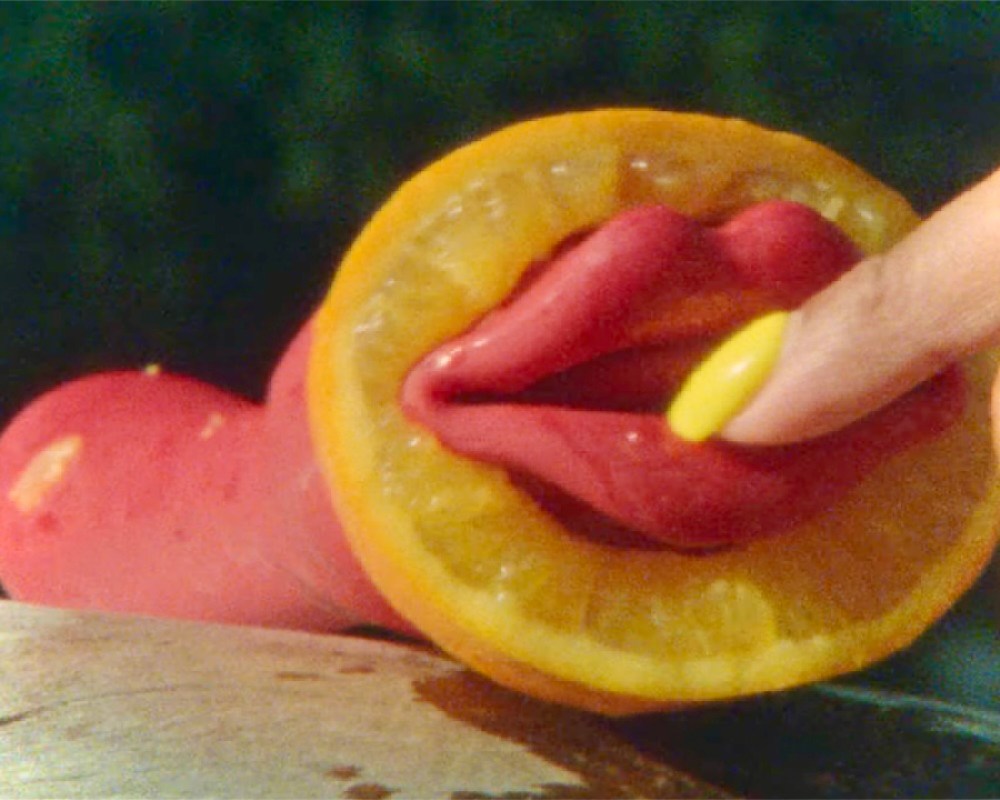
564	384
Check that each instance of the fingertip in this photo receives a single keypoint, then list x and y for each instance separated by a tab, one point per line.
728	379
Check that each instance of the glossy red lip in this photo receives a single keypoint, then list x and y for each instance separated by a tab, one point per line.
564	383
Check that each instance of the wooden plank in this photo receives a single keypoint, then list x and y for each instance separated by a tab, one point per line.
105	705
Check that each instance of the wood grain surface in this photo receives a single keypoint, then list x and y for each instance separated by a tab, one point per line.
96	705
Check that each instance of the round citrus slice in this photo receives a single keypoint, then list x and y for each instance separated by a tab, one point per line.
488	572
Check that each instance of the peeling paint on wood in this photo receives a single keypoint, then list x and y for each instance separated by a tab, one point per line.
112	705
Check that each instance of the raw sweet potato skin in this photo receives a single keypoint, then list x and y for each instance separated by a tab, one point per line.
152	493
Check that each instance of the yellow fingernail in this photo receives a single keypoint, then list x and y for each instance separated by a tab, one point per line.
722	385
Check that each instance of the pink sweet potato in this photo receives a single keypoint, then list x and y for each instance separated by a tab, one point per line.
152	493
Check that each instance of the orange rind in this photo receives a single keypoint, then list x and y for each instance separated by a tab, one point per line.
483	571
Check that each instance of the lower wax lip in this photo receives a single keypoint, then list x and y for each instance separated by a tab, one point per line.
565	385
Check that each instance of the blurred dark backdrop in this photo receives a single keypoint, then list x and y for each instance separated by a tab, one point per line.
178	180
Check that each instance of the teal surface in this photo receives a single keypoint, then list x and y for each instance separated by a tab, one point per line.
833	741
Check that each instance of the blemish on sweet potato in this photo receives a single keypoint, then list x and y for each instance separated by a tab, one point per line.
212	425
44	472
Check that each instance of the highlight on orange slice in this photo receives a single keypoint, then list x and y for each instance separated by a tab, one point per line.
490	574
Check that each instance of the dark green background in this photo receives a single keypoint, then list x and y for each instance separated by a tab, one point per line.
177	180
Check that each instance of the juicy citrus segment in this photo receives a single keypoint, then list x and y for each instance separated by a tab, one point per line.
491	578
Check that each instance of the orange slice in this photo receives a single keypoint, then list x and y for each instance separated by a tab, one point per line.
492	579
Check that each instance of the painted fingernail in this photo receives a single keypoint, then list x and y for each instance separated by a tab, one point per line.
725	382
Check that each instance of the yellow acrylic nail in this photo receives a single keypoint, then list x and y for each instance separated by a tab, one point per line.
725	382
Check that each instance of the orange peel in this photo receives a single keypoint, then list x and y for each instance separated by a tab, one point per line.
456	547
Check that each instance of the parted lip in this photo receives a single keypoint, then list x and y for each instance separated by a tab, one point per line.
562	384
